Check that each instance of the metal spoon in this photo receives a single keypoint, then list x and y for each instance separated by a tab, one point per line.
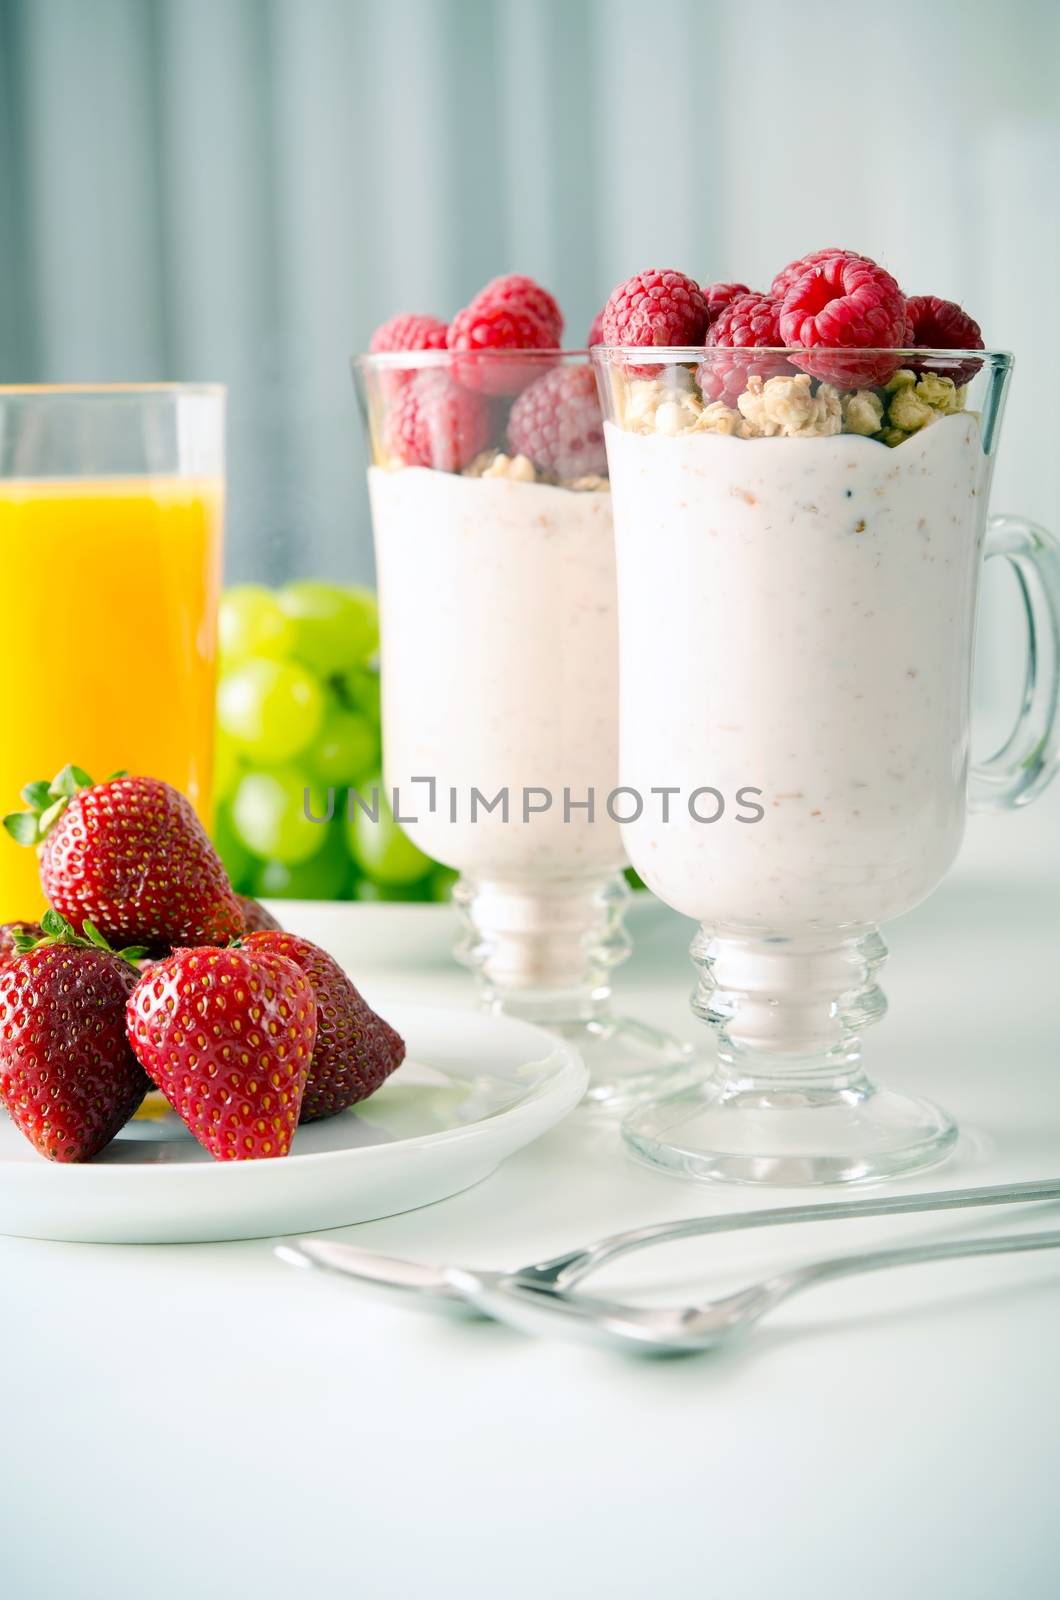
439	1285
678	1330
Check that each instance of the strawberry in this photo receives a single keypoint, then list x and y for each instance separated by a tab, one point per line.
355	1050
131	856
8	930
255	917
67	1074
227	1035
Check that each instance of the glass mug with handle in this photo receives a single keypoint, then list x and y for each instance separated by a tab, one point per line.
111	513
799	555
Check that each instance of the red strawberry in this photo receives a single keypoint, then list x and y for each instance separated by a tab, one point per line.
227	1035
356	1050
132	857
67	1074
255	917
8	930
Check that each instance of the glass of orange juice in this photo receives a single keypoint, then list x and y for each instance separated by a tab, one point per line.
111	516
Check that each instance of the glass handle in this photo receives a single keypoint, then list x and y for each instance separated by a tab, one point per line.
1020	770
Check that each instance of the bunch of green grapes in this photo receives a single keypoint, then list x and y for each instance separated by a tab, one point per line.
298	710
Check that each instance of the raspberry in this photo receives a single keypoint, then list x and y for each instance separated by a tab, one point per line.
655	308
790	275
942	325
434	423
596	331
409	331
516	289
720	295
845	301
558	424
512	313
748	322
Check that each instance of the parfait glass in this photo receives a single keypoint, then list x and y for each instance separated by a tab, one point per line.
499	657
799	544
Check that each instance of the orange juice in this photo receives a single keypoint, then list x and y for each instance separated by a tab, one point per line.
108	606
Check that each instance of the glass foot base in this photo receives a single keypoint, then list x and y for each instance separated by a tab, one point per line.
628	1061
721	1131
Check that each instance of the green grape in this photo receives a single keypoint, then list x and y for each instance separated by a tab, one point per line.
346	748
333	629
268	814
380	849
441	883
360	688
226	767
325	876
270	709
239	863
368	891
251	622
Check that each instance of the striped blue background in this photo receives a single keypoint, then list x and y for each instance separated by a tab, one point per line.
240	189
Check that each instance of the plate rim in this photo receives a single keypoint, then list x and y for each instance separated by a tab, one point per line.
571	1070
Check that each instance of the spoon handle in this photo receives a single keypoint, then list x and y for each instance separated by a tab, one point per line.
564	1271
770	1292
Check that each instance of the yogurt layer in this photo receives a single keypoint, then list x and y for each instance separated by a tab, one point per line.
500	661
797	616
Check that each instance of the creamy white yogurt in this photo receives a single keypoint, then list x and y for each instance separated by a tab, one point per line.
500	661
797	615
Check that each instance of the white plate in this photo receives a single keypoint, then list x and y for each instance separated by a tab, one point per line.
472	1090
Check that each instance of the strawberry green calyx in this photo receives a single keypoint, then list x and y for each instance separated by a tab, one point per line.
46	802
57	930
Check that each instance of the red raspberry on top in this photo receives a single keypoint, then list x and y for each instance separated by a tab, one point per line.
557	423
942	325
517	289
748	322
720	295
409	331
789	275
657	307
842	302
433	422
511	313
596	331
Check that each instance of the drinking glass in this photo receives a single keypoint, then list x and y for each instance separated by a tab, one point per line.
499	656
799	544
111	509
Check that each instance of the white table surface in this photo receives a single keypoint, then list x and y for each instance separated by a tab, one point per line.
200	1420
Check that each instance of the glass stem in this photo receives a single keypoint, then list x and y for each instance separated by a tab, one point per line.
544	951
789	1012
